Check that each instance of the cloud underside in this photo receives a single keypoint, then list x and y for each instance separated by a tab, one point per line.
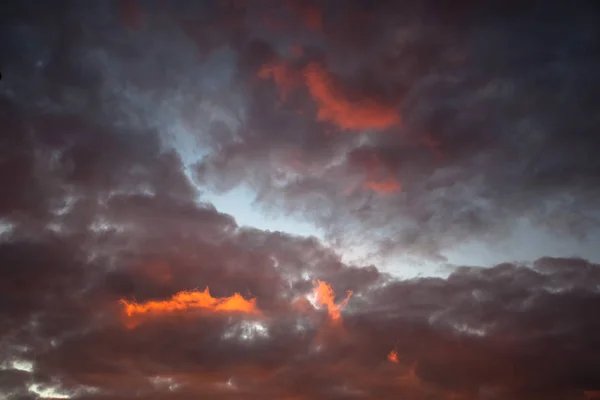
422	132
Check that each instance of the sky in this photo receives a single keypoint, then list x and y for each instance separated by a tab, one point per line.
299	199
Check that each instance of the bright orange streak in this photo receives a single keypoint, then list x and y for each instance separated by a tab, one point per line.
386	186
393	356
326	297
334	107
188	300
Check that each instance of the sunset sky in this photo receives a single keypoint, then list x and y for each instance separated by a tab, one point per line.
300	199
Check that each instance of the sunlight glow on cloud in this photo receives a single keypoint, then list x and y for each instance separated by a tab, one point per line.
334	107
189	301
324	296
386	200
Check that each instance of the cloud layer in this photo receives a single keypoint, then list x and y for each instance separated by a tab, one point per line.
409	128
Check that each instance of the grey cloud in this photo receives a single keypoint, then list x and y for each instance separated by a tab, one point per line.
102	210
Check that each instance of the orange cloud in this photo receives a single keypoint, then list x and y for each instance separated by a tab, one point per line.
334	107
385	186
191	300
393	356
326	297
378	177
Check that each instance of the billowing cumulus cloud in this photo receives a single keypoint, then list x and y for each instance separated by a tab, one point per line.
434	126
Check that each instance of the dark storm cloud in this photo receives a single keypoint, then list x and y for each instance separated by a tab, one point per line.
498	121
479	330
96	206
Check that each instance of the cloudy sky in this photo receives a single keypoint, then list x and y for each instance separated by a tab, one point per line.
294	200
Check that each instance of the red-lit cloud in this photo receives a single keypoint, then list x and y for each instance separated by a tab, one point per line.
333	106
386	186
105	223
325	296
191	300
337	109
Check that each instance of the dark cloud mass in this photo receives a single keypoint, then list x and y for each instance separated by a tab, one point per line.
406	127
